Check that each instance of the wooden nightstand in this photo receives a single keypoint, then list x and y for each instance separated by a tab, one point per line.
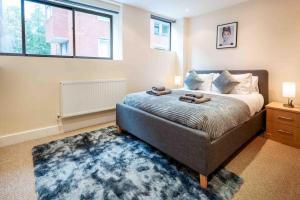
283	124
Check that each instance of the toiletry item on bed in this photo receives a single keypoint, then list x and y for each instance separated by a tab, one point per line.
198	96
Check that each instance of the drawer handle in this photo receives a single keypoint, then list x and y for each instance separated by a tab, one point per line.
286	118
285	132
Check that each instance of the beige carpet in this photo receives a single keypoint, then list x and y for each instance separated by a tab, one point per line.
270	170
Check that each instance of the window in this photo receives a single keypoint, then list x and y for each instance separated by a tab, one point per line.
63	48
10	27
156	28
103	47
160	34
48	12
48	28
165	30
88	29
103	19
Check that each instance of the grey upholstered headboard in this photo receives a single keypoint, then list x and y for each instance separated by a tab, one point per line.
263	79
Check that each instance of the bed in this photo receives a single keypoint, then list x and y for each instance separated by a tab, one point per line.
193	147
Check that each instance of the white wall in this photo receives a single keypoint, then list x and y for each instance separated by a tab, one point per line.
179	44
29	86
268	38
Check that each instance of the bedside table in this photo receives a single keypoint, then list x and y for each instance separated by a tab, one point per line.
283	124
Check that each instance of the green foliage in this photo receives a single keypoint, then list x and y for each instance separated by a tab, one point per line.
11	31
35	33
12	27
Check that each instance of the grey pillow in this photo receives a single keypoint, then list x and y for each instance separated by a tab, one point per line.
193	81
225	82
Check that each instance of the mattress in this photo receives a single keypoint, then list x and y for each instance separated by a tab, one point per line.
215	117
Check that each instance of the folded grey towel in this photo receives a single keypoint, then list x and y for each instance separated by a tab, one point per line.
186	98
194	100
158	88
198	96
159	93
202	100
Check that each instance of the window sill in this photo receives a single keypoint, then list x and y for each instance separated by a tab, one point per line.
161	50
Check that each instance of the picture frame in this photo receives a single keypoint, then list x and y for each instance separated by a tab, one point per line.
227	35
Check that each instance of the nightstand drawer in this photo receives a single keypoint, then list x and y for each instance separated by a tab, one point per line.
284	133
279	116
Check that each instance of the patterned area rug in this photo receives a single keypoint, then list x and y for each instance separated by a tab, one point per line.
106	165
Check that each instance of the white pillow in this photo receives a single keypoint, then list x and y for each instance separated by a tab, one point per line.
245	85
255	88
213	87
208	79
207	82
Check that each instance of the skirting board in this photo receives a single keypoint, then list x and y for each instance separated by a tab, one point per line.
82	123
29	135
53	130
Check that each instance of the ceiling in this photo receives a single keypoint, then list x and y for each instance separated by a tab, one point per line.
181	8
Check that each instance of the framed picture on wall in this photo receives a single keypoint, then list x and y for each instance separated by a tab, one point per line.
227	35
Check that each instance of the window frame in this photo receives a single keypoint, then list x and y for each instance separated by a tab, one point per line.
67	7
170	34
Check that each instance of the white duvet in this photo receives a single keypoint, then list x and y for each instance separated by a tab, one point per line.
255	101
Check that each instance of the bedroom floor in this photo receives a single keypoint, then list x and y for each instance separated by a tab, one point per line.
270	170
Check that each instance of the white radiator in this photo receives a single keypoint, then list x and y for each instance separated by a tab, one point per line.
83	97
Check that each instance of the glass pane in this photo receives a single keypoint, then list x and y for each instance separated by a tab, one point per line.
160	34
10	26
104	47
92	35
48	30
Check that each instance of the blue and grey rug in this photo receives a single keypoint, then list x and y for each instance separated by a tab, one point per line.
106	165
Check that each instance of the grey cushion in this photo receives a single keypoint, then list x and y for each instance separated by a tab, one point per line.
225	82
193	81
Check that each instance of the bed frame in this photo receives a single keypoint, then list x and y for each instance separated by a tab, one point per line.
192	147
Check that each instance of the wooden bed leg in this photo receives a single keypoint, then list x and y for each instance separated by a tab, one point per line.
119	129
203	181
